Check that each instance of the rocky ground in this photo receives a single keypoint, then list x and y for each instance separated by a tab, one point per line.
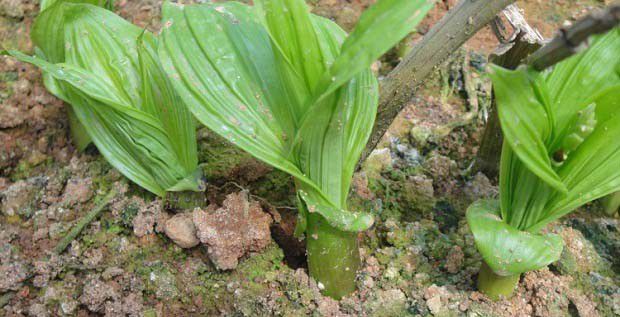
237	257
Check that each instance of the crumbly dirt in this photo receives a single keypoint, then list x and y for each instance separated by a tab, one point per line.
418	260
239	227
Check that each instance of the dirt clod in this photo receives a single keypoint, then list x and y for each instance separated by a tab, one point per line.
240	226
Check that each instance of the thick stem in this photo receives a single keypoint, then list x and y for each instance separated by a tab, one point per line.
333	257
496	286
185	200
611	203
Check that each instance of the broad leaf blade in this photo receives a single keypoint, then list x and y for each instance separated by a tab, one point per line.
224	70
123	99
290	26
160	100
591	171
572	82
525	121
505	249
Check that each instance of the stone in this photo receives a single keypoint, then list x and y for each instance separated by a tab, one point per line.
12	8
377	162
181	230
419	194
22	197
420	135
78	191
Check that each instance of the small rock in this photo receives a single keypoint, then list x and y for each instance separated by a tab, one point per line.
420	135
180	229
376	162
328	307
111	272
360	186
12	275
410	155
96	293
144	221
240	226
78	191
12	8
480	188
454	260
37	310
22	197
68	307
434	305
435	297
419	194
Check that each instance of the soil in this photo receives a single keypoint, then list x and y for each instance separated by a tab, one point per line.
418	260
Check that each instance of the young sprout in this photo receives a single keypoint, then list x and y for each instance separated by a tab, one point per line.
295	91
561	150
108	71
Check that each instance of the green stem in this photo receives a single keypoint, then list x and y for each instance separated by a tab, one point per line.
333	257
496	286
81	139
185	200
611	203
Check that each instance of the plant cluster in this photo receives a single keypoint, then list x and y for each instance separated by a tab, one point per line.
295	91
560	151
108	71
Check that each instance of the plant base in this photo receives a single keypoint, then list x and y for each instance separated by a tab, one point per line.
496	286
185	200
333	257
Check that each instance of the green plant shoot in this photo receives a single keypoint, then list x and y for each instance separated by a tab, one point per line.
561	150
107	69
295	91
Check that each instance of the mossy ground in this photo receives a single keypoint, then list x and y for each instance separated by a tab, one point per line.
418	260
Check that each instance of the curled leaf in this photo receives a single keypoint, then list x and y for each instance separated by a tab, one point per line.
340	219
506	250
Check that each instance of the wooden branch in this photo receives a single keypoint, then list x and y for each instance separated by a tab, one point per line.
452	31
570	40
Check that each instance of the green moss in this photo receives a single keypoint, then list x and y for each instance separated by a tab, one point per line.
219	157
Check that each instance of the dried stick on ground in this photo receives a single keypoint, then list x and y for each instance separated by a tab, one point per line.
75	231
570	40
452	31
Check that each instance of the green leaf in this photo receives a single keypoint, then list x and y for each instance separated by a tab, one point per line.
228	78
108	4
338	218
374	35
292	31
48	36
573	81
120	93
590	172
251	83
506	250
525	120
569	113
